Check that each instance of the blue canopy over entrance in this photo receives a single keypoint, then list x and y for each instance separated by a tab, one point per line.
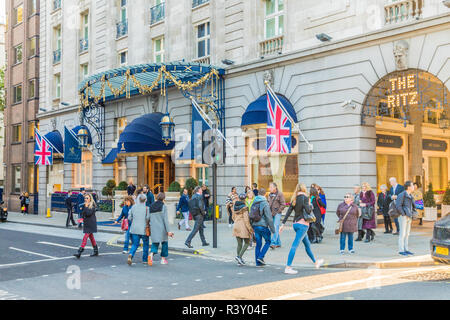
56	140
143	135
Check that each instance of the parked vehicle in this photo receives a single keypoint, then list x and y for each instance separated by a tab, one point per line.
440	244
3	212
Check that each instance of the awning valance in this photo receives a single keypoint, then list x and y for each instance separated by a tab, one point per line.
111	157
256	112
143	135
56	140
77	128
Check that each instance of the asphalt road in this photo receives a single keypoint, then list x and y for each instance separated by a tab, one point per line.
38	266
37	263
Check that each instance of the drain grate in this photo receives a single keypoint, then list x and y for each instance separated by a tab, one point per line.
430	276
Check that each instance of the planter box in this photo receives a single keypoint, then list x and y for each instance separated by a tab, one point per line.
430	214
438	198
445	209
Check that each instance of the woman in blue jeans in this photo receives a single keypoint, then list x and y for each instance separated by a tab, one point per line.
299	203
139	217
348	212
127	204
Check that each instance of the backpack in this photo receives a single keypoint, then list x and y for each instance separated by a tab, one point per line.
255	212
27	200
194	207
393	212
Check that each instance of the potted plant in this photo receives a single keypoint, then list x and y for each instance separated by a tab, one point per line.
174	190
120	192
430	210
445	207
190	185
109	188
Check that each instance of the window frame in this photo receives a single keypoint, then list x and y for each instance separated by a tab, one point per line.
32	84
119	55
21	54
276	15
14	178
32	4
57	86
16	13
15	101
82	172
158	53
36	46
16	135
206	38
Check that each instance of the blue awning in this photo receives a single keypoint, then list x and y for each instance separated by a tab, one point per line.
75	130
56	140
256	112
143	135
111	157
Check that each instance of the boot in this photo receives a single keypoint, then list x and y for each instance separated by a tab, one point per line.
360	235
372	236
78	254
95	253
420	222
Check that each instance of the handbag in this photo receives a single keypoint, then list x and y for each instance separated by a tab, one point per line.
340	223
309	217
419	204
367	212
124	225
322	209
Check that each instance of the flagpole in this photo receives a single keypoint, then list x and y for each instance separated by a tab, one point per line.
209	122
43	137
310	146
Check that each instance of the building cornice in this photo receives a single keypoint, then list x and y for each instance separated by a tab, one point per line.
439	22
58	112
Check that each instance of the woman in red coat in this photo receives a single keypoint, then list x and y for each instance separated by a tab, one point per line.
367	200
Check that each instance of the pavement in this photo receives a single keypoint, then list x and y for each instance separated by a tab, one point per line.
380	253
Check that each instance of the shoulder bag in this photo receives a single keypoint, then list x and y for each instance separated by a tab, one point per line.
309	217
340	223
367	212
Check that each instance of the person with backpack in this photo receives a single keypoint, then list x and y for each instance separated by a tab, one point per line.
24	202
276	204
242	229
316	228
69	206
406	208
299	204
197	209
262	223
183	207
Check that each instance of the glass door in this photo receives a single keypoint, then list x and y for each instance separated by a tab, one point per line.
158	175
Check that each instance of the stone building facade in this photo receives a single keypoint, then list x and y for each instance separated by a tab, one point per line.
325	57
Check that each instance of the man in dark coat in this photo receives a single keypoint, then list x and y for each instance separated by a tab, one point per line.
150	196
395	190
69	206
383	202
131	188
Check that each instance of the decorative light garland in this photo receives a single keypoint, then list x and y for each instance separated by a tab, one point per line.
87	93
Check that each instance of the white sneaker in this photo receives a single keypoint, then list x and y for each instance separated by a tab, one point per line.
164	261
289	270
230	225
352	251
319	263
342	252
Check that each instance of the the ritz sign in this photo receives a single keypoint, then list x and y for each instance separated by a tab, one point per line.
401	93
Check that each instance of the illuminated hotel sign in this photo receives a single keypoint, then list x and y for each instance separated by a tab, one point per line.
403	91
389	141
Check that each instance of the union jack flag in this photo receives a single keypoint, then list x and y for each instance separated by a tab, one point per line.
43	152
279	127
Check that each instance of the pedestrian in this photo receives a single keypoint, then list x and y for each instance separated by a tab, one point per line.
197	209
131	188
299	204
231	199
348	214
69	206
159	227
395	190
248	202
139	216
405	206
89	225
324	201
277	203
357	201
183	207
418	202
255	188
206	196
383	206
367	204
80	205
128	203
242	229
262	225
149	195
316	228
24	202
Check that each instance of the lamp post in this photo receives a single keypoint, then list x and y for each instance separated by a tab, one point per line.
167	128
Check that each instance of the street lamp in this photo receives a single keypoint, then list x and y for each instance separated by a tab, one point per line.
83	137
